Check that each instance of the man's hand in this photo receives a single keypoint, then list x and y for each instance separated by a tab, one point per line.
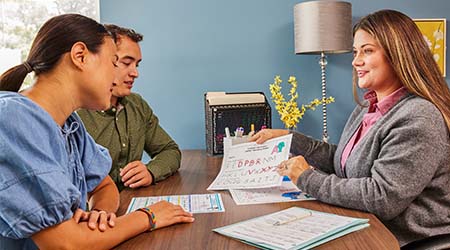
135	174
95	218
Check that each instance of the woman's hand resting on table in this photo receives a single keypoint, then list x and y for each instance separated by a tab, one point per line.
95	218
168	214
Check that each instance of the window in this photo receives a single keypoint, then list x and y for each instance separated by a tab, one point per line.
21	19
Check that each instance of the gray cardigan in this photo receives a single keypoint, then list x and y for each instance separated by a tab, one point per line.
399	171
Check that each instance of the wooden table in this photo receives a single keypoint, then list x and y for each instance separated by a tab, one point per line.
195	175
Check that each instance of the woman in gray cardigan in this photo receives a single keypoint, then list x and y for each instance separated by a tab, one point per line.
393	157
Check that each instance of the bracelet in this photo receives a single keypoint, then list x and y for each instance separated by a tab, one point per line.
151	217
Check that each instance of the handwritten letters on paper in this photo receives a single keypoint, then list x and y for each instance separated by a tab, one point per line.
251	165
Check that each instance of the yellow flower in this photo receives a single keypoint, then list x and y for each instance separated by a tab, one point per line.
290	113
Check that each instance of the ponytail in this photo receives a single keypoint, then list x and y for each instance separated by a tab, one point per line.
12	79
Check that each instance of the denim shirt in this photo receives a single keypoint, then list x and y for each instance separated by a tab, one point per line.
46	170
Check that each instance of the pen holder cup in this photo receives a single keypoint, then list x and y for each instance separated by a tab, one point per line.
218	117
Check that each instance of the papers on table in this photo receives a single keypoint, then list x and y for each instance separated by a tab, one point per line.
292	228
287	192
250	165
194	203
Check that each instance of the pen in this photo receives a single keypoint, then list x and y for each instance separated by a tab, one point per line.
280	222
227	132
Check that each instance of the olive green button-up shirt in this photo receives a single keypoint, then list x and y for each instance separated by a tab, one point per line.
129	130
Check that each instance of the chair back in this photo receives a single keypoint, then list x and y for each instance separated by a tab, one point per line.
436	242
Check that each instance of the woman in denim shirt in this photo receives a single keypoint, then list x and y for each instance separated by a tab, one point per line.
50	167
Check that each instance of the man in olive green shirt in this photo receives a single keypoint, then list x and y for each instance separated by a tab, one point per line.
129	127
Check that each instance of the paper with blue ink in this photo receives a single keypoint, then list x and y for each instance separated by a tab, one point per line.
287	192
193	203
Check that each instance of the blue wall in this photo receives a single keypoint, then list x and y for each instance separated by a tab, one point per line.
191	47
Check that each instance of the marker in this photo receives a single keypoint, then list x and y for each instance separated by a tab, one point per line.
292	195
282	222
252	130
239	131
227	132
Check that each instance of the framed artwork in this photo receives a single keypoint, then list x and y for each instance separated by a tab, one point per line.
434	32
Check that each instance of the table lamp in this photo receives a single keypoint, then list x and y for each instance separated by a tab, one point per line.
323	27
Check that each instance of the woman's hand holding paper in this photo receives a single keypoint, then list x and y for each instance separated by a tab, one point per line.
266	134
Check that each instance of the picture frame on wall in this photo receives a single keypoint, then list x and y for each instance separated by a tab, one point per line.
434	33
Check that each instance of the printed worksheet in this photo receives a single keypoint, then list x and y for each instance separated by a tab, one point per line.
193	203
287	192
292	228
250	165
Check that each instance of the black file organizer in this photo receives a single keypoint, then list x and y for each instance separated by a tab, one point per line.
218	117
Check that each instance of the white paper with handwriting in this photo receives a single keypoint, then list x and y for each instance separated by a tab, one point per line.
250	165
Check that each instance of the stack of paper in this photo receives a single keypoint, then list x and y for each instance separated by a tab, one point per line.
222	98
249	171
292	228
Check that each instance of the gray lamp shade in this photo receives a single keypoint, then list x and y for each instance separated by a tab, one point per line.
323	26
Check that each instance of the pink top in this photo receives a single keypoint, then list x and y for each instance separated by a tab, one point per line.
375	112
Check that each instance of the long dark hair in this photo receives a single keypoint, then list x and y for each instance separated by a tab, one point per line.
409	56
55	38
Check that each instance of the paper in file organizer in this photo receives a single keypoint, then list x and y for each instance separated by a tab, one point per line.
310	230
222	98
193	203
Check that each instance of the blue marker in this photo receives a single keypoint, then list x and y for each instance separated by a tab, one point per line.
292	195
